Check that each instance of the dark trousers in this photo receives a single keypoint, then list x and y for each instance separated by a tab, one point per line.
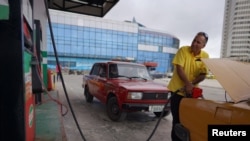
175	103
58	76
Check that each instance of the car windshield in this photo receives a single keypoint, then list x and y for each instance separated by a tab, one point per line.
129	71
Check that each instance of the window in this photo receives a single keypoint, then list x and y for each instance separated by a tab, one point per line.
95	70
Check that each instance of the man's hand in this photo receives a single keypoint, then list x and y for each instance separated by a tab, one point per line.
188	89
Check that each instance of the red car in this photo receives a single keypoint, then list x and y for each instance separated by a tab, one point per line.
125	87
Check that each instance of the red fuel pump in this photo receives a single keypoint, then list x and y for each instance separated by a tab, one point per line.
18	84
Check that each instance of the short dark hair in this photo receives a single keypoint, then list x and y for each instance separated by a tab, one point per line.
204	34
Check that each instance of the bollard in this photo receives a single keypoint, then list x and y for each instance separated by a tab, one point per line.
51	80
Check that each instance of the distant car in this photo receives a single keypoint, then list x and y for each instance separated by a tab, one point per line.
169	74
197	114
71	72
125	87
157	75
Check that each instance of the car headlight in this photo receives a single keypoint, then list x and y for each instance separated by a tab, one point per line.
134	95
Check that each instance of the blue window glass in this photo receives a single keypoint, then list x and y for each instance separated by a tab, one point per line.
98	36
80	42
86	35
92	35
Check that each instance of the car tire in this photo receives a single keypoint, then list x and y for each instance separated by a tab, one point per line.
89	98
113	110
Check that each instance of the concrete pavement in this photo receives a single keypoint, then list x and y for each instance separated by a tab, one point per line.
48	119
49	125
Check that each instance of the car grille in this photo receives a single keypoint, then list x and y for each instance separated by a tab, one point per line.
154	96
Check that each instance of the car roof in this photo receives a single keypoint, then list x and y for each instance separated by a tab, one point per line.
233	76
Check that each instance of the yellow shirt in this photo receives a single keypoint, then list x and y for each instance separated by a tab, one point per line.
192	66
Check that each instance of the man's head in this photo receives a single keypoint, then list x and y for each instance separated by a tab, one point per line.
204	35
113	72
199	42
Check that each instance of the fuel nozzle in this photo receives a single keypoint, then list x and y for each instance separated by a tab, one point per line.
197	92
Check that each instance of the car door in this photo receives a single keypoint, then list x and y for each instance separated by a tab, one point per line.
93	79
102	79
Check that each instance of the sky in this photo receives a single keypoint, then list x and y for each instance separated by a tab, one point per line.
181	18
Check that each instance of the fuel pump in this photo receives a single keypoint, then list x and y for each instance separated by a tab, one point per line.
17	83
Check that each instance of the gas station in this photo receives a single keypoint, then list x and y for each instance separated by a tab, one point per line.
24	73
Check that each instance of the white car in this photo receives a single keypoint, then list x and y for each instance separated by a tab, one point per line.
169	74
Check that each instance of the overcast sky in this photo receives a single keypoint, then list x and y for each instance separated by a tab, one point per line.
181	18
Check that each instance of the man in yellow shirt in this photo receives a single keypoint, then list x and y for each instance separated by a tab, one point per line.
188	72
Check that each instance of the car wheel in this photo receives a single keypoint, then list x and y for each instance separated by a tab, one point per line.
89	98
113	110
165	113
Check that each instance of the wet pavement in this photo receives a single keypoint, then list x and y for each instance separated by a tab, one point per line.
49	123
95	124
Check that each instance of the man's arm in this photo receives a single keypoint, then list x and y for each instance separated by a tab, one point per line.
183	77
200	78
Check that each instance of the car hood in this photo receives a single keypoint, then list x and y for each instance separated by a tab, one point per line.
142	85
233	76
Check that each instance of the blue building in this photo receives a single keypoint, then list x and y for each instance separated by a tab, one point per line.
83	40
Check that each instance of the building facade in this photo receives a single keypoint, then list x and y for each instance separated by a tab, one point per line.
236	30
83	40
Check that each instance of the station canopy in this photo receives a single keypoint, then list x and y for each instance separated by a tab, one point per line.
87	7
